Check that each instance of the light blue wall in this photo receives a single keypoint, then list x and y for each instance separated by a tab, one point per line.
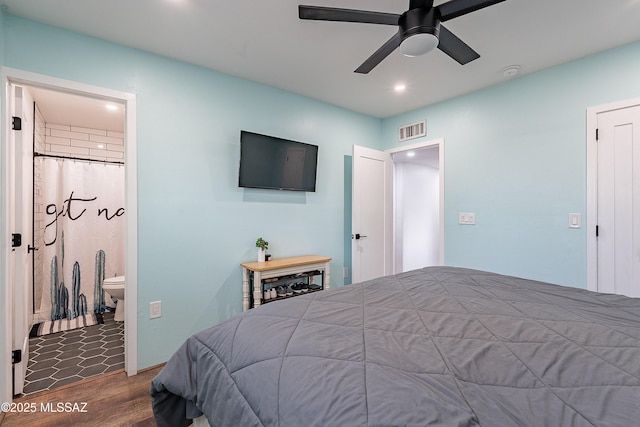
1	35
515	154
195	225
348	187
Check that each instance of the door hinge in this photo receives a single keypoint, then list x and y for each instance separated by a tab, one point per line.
597	134
16	240
16	356
16	123
596	231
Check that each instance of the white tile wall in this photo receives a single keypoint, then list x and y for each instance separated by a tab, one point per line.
38	208
94	144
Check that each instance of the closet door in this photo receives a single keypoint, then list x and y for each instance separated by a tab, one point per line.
618	211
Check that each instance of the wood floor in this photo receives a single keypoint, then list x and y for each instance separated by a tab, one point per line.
112	399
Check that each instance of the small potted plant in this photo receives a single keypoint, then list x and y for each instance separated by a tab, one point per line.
262	246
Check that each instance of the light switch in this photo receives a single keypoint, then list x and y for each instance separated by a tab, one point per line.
155	309
575	220
467	218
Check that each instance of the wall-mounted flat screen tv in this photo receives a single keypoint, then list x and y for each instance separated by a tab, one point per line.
276	163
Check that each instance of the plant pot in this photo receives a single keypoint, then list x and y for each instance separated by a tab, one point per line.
261	253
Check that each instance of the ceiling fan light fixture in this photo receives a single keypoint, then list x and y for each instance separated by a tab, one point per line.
419	44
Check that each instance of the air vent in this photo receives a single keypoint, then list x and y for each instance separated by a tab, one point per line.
414	130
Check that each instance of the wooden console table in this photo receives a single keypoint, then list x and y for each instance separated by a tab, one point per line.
278	268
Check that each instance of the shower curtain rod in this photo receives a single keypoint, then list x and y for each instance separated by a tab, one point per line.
111	162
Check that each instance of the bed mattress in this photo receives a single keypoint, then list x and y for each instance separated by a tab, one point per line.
438	346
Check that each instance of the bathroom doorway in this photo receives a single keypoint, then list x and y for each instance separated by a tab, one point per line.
78	237
84	127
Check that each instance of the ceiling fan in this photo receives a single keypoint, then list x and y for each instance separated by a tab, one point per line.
419	28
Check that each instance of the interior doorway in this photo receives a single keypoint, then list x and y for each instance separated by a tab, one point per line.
416	208
418	205
40	85
378	241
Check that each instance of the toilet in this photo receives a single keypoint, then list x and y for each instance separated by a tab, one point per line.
114	286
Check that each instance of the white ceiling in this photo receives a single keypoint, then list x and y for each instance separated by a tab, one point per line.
426	156
266	42
80	111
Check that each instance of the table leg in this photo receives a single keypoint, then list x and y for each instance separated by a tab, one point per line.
245	289
327	276
257	288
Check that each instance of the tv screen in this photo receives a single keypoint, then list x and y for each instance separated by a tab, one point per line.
276	163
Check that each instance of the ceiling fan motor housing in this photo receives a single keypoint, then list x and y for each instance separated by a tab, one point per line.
419	21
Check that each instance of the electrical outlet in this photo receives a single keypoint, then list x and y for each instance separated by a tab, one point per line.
345	273
155	309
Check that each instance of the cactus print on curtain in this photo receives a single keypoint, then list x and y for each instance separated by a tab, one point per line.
82	229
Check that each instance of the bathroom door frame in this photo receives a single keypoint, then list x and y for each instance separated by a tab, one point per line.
21	77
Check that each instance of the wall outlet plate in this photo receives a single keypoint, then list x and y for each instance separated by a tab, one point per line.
467	218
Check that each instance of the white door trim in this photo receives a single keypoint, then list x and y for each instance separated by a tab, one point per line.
592	185
131	263
428	144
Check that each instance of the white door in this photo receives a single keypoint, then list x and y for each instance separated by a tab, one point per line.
21	211
618	201
372	236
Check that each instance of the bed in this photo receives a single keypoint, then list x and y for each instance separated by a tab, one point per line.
436	346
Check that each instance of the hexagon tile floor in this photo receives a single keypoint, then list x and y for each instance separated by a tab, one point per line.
70	356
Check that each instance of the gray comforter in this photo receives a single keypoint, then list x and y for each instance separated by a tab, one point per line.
438	346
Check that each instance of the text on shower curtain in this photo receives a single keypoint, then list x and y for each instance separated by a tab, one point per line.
70	206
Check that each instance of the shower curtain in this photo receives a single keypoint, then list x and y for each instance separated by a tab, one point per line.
81	233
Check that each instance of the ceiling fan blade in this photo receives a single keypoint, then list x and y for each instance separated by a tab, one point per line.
377	57
455	48
320	13
454	8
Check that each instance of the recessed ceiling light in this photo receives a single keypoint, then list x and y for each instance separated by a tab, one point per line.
511	70
411	154
178	3
100	145
111	107
400	87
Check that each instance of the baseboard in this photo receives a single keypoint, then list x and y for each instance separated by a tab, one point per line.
150	368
